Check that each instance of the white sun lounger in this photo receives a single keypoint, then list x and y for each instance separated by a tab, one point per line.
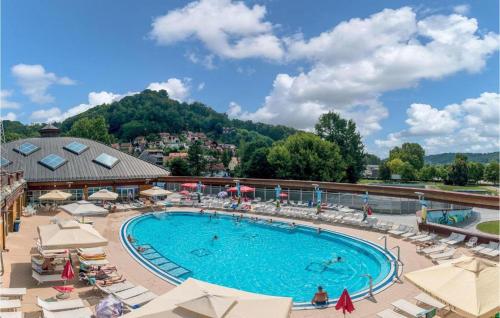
11	304
115	288
12	292
12	314
388	313
452	237
426	238
492	247
418	236
84	312
139	300
493	253
433	249
409	308
60	305
401	229
430	301
471	242
46	278
458	239
444	255
479	247
132	292
409	234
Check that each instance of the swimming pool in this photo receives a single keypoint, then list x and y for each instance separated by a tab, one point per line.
261	257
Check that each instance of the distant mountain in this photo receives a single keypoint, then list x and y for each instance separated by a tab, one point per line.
447	158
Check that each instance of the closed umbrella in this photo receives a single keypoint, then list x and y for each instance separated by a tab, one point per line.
468	285
68	273
345	303
104	195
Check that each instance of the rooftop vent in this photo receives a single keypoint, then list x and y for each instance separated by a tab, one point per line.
49	130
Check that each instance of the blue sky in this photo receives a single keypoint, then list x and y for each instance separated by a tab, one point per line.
424	71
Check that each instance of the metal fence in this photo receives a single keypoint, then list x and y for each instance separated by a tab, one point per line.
379	204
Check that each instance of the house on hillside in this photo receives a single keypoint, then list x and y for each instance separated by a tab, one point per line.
216	169
233	163
371	172
173	155
154	156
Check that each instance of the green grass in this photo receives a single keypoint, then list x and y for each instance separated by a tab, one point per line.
446	187
490	227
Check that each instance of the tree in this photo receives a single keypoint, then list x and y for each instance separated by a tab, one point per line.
396	165
343	133
408	172
428	173
384	171
371	159
306	156
442	172
226	158
253	159
91	128
476	171
412	153
196	159
179	167
491	173
458	171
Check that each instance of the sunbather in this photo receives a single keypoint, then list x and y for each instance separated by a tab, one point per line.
110	281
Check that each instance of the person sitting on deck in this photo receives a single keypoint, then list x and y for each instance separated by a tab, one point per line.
320	297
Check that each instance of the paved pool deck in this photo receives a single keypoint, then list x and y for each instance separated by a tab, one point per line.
21	246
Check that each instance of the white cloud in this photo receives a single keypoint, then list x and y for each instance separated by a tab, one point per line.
176	88
4	102
226	28
358	60
206	61
462	9
99	98
9	116
471	126
46	115
201	86
35	81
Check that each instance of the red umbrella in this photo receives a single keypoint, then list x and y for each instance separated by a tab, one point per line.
191	186
243	189
184	192
283	195
68	273
64	289
345	302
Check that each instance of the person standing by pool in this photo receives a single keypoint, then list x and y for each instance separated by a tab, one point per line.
320	297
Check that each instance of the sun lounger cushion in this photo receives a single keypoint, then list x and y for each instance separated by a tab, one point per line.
428	300
60	305
118	287
139	300
388	313
46	278
409	308
132	292
12	292
84	312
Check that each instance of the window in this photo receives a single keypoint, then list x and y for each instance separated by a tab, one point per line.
5	162
52	161
106	160
76	147
26	148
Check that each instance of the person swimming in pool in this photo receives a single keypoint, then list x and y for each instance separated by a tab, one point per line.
215	237
334	260
320	297
141	249
130	239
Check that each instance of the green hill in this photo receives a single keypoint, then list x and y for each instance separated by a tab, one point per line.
151	112
447	158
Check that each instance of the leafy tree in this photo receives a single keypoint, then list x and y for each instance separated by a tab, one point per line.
196	159
226	158
371	159
407	172
442	172
307	157
458	171
384	171
179	167
342	132
396	165
476	171
412	153
253	159
491	172
15	130
428	173
91	128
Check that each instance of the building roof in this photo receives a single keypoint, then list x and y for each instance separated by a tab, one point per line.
76	167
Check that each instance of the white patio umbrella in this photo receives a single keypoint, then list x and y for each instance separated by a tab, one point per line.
155	192
104	195
69	235
468	285
55	195
195	298
83	209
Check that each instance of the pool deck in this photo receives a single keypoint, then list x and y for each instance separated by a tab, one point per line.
21	244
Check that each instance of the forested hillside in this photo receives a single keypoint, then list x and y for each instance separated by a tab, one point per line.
447	158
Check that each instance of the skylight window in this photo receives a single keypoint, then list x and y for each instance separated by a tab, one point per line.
106	160
52	161
26	148
5	162
76	147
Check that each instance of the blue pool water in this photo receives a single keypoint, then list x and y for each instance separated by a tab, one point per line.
265	258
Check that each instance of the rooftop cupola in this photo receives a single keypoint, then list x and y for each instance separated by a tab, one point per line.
49	130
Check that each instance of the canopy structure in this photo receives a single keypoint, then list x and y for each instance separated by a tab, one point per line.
194	298
69	235
83	208
104	195
243	189
192	186
155	192
468	285
55	195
